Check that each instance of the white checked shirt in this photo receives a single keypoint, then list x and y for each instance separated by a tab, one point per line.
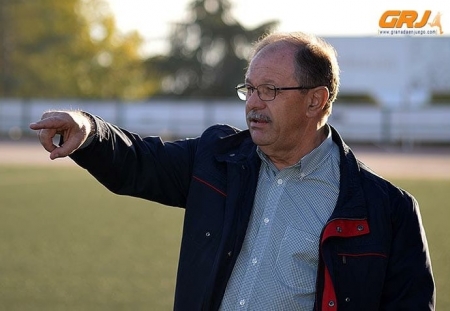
277	266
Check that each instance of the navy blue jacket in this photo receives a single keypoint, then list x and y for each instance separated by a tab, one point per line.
373	251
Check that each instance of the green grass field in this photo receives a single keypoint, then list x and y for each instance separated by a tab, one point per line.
66	243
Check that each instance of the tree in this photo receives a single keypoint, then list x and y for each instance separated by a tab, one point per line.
208	54
67	49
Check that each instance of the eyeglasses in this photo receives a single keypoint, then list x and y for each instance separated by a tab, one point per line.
266	92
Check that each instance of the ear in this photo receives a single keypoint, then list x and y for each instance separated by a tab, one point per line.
316	100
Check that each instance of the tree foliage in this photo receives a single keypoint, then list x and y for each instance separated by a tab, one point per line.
208	53
72	49
67	49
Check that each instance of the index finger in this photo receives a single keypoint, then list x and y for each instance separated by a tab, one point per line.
47	123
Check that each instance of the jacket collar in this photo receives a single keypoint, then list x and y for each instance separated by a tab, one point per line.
351	200
238	147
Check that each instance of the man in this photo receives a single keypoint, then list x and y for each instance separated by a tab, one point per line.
281	216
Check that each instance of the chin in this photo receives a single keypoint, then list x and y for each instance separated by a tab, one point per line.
258	140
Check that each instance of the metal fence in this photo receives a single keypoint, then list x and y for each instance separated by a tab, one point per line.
356	123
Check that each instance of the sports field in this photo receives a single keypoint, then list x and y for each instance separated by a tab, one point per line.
66	243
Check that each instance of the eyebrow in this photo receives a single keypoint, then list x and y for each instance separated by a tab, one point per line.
270	81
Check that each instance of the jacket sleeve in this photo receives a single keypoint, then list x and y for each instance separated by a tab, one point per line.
409	281
147	168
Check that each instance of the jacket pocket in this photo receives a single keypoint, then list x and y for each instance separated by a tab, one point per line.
297	259
360	276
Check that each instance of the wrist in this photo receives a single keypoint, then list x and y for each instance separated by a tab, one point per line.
92	124
92	130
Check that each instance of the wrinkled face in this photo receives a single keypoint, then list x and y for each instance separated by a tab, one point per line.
279	124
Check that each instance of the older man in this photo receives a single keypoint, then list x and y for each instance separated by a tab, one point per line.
281	216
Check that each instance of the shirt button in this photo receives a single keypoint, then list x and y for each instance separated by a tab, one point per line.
254	261
242	302
280	181
266	220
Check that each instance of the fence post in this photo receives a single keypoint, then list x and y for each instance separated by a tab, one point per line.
386	125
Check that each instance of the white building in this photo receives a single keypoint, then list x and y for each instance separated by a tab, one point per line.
397	71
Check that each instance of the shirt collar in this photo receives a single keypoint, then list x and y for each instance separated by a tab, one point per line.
309	162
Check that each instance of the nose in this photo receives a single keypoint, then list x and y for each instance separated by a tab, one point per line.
254	102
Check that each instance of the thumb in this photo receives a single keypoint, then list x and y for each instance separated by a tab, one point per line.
68	147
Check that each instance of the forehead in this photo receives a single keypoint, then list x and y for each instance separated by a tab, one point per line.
273	63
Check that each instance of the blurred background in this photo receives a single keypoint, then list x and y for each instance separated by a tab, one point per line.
170	68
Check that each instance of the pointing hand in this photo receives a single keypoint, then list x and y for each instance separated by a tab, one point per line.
73	126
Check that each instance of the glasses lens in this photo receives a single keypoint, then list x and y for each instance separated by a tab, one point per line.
266	91
242	91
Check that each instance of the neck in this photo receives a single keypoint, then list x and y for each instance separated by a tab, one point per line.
283	158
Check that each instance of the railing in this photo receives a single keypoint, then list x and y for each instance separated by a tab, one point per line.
363	124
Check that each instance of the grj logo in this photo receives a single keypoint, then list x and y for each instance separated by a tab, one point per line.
415	23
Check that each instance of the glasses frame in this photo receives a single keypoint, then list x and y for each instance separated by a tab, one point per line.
244	95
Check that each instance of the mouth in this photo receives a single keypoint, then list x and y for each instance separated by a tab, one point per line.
256	121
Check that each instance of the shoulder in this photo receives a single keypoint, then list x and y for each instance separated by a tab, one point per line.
222	138
384	191
225	134
219	131
377	191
